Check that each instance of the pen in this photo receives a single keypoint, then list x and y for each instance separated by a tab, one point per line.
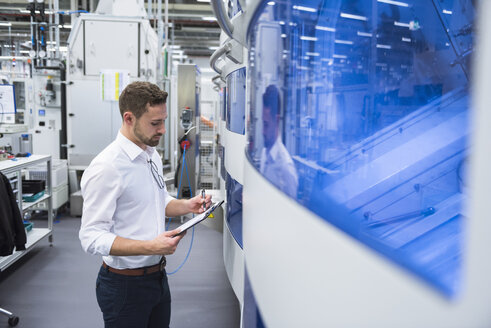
203	196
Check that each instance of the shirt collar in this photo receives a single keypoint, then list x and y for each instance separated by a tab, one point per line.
274	152
131	149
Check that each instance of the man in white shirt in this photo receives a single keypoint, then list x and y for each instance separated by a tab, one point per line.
125	205
276	163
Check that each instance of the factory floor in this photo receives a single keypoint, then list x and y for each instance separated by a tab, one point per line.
55	286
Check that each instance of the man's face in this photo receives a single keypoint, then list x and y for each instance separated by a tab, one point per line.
270	128
151	125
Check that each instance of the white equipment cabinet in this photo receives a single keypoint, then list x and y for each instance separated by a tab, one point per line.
128	45
34	236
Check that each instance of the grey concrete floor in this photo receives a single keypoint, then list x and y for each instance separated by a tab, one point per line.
54	286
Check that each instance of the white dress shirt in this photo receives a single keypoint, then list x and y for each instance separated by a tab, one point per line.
277	166
122	198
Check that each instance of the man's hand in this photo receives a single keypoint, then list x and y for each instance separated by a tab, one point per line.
166	243
195	204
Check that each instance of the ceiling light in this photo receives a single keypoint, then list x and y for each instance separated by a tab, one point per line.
364	34
6	24
395	3
325	28
271	3
209	18
308	38
308	9
396	23
203	0
351	16
343	42
448	12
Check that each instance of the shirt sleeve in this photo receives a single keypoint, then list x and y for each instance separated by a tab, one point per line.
101	187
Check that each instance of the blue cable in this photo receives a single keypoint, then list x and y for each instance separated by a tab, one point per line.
179	187
192	235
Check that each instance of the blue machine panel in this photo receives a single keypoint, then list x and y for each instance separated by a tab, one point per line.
236	83
364	120
234	208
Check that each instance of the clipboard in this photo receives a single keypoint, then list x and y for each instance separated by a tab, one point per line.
197	219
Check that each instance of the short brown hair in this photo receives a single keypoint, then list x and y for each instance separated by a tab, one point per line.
137	95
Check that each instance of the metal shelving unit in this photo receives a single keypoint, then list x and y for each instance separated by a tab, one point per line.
36	234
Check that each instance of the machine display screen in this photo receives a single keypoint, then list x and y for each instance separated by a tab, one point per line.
364	120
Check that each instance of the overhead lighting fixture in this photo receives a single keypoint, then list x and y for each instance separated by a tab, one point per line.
395	3
313	54
351	16
383	46
369	35
448	12
396	23
339	56
406	39
308	38
307	9
271	3
325	28
6	24
65	26
281	23
283	36
203	0
209	18
175	46
343	42
213	48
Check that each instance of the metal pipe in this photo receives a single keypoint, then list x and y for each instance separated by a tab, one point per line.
57	28
15	57
217	54
222	18
160	36
63	132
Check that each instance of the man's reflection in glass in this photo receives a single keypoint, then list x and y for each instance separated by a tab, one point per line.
276	163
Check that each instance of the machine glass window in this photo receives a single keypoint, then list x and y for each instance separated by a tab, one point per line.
360	112
234	208
236	82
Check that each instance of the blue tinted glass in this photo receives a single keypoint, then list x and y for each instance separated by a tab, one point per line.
234	208
233	8
223	171
236	82
359	111
223	103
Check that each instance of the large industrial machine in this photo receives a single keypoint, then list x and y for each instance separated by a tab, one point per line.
99	66
360	185
229	61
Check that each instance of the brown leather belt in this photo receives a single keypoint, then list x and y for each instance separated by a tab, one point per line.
137	271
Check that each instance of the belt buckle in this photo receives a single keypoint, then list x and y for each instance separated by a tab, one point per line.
162	263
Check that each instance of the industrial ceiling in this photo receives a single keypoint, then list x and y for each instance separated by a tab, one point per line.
191	25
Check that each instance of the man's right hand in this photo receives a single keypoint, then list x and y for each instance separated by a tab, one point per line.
166	243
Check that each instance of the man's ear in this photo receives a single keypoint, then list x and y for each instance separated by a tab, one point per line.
128	118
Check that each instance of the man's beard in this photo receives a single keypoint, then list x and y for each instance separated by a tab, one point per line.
147	141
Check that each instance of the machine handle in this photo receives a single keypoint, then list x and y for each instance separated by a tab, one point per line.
222	17
217	54
214	80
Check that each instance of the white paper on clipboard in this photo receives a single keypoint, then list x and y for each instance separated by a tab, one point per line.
197	219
